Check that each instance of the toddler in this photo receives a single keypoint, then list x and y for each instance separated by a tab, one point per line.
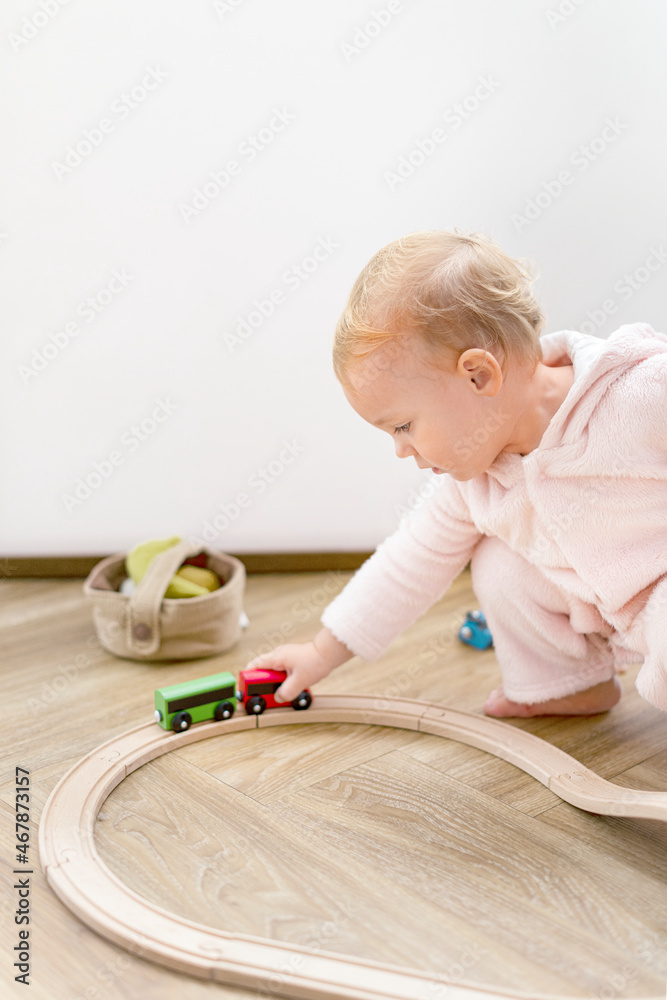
553	453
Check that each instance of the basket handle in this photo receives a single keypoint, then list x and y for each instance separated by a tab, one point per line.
143	620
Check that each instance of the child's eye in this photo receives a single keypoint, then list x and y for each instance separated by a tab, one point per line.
402	429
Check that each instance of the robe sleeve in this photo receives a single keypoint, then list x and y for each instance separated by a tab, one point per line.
406	574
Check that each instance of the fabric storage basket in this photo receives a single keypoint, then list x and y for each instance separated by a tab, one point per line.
145	625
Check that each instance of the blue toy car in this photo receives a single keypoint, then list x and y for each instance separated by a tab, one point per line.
475	632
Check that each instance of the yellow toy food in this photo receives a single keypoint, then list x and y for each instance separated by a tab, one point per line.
203	577
189	581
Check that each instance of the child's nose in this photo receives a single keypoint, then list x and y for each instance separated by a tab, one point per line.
403	449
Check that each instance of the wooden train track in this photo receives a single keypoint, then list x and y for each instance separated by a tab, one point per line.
86	886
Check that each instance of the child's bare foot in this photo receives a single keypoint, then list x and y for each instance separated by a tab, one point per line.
596	699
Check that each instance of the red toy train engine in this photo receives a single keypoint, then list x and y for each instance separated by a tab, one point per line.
257	687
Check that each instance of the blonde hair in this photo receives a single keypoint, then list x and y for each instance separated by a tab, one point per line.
451	290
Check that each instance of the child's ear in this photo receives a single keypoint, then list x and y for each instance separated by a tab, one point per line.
481	378
481	370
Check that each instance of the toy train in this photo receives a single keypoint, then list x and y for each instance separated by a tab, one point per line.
178	706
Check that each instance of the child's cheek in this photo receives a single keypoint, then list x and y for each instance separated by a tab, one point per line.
463	448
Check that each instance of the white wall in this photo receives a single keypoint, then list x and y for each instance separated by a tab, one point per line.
556	72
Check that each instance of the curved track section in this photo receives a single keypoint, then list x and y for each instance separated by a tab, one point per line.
86	886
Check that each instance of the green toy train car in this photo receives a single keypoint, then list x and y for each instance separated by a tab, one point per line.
179	705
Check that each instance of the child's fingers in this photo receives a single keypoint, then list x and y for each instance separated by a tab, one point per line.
289	689
267	660
279	696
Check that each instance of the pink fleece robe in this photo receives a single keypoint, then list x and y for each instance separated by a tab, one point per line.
585	512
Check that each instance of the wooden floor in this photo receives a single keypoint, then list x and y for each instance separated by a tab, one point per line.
396	846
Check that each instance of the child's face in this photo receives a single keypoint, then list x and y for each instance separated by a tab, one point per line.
449	421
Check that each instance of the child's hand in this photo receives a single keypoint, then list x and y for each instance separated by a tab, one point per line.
305	663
